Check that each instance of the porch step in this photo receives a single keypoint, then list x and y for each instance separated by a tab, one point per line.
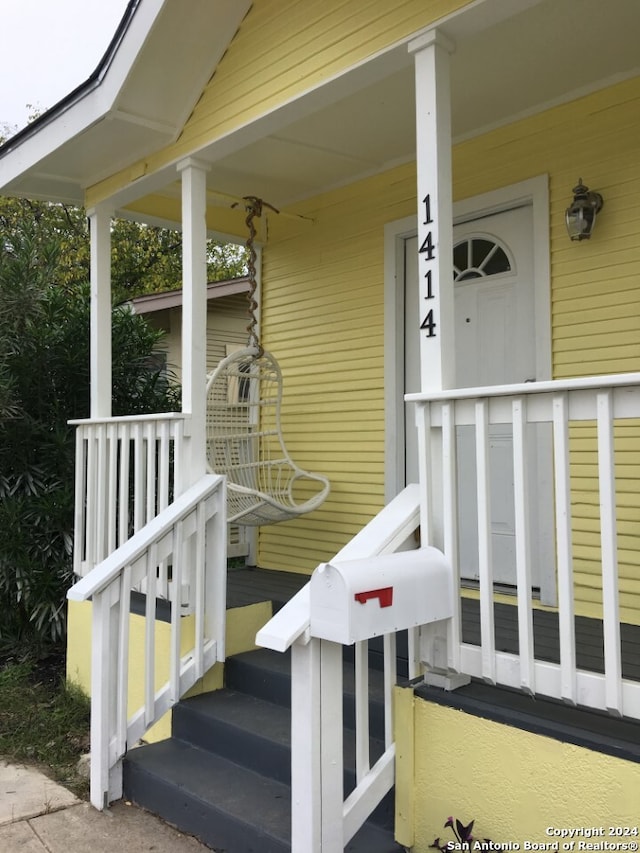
224	775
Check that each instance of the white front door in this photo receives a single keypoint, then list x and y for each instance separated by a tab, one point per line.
495	345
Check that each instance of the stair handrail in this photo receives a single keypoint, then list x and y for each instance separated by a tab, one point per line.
321	820
189	534
105	572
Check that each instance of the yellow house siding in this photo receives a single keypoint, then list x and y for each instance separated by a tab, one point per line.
323	315
282	49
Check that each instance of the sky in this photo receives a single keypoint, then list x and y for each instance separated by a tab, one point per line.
47	48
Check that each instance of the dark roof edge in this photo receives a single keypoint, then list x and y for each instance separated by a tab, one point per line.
151	302
81	91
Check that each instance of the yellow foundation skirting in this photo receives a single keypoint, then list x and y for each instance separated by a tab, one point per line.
521	788
242	626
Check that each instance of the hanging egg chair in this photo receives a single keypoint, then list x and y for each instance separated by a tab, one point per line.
244	434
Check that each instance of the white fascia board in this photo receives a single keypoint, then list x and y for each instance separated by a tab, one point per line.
91	106
199	41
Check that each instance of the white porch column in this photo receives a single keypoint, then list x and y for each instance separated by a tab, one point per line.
100	335
194	313
435	210
435	315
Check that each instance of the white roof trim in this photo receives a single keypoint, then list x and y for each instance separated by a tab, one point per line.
118	106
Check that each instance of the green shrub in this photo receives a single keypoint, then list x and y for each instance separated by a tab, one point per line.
44	382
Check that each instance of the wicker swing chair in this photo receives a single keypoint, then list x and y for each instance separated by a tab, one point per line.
244	435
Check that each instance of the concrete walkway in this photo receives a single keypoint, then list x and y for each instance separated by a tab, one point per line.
40	816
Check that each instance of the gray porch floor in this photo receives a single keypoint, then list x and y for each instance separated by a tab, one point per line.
251	585
546	642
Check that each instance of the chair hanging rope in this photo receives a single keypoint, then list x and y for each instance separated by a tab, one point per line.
244	434
253	207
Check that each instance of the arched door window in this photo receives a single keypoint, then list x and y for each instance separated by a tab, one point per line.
480	256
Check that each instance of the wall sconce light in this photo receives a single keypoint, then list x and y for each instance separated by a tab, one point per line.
581	215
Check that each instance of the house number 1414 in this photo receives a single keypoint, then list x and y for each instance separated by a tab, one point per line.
427	254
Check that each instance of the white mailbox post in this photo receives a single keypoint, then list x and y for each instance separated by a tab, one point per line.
355	600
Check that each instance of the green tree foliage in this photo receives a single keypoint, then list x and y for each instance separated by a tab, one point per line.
144	258
44	382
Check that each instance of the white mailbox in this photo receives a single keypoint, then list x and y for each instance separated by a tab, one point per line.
354	600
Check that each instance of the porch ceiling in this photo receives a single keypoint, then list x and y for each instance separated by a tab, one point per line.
551	51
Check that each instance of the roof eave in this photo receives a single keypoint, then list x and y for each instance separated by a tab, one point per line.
79	93
112	119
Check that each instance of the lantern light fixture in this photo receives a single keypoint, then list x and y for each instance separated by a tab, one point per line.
580	216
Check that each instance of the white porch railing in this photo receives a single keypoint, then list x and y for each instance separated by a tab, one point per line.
127	472
605	403
322	819
190	537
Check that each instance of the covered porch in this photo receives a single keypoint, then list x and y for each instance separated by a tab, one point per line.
578	434
525	477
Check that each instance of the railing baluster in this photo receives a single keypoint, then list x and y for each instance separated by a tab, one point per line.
139	458
140	463
523	543
361	663
450	523
331	756
112	486
92	490
101	498
124	503
161	439
609	546
80	520
151	484
163	581
164	454
413	651
216	586
101	640
178	456
485	566
306	762
122	672
179	546
564	548
150	636
102	688
390	665
423	424
197	585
